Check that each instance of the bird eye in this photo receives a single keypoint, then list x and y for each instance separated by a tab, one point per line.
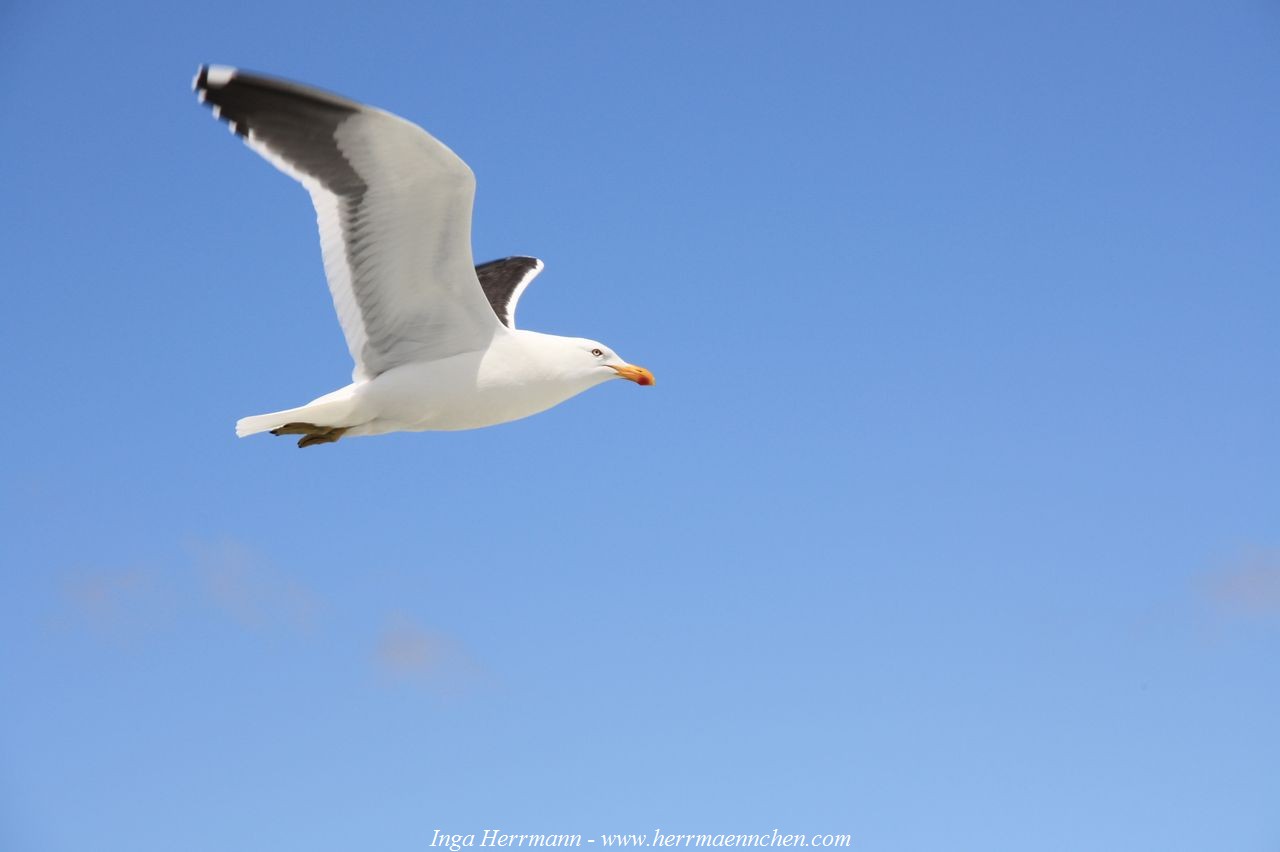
597	353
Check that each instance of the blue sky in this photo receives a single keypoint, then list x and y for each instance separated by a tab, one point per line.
951	522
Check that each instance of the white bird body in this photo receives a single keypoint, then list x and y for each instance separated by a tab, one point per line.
433	337
518	375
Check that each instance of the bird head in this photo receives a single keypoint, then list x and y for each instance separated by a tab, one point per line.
604	364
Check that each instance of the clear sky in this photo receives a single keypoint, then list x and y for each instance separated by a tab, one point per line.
951	522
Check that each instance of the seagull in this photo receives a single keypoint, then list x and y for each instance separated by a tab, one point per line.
433	336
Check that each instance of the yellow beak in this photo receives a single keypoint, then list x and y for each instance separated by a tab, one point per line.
631	372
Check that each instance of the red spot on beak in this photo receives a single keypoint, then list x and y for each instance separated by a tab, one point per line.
632	373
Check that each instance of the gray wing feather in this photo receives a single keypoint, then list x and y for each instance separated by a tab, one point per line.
394	211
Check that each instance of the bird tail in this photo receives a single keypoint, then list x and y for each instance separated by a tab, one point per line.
265	422
333	410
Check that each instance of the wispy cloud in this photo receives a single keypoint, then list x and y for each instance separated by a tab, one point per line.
224	579
242	584
409	652
118	603
1248	586
229	584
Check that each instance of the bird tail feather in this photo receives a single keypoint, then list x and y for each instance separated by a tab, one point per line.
332	409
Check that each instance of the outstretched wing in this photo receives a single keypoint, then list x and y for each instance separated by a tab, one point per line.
504	281
394	209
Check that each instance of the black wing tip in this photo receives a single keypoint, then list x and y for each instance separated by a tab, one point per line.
523	259
210	78
215	76
503	280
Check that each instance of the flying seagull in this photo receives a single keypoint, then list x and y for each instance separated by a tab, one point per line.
433	337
